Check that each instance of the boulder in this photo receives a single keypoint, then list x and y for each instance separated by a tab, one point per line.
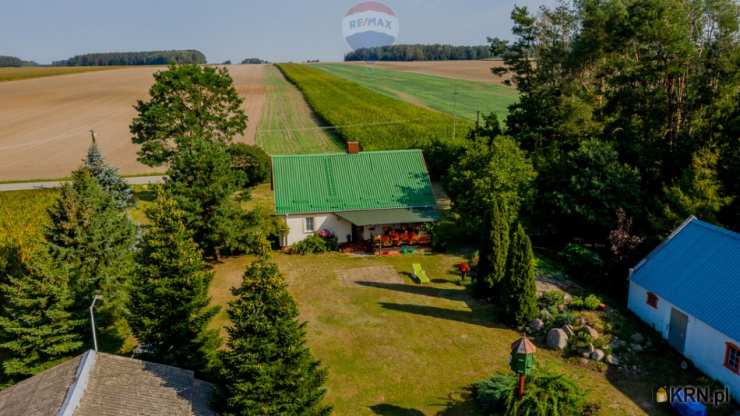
612	359
536	325
557	339
597	355
637	338
568	330
591	331
616	344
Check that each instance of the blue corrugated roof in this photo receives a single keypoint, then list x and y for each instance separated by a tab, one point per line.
698	270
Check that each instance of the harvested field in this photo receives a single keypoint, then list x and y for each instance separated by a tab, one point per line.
28	72
468	70
45	121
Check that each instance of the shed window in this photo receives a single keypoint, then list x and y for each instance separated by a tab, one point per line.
652	299
732	358
309	224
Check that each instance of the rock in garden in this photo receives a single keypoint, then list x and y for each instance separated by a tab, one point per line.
536	325
591	332
568	329
557	339
636	347
612	359
616	344
597	355
637	338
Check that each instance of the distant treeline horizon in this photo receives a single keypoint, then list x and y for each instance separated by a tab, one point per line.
420	52
188	56
12	61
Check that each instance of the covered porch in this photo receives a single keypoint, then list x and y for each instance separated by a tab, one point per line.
388	231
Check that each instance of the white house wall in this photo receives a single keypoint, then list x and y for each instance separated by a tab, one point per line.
297	232
705	347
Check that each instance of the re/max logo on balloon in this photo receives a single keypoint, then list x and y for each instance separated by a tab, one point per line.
370	24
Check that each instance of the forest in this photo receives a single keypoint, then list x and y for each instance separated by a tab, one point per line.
419	52
188	56
12	61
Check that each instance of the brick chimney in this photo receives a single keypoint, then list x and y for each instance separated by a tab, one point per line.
353	147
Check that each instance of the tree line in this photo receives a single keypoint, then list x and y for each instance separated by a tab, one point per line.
628	122
254	61
12	61
189	56
153	279
420	52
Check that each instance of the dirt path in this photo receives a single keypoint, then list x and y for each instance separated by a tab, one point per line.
469	70
44	122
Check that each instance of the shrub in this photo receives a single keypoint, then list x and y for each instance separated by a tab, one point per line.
564	318
581	261
552	298
252	161
316	243
576	303
591	302
546	394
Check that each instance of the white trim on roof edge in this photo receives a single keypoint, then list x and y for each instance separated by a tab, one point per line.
660	246
77	389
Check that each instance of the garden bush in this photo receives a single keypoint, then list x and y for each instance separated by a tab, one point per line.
551	298
590	303
321	242
547	394
581	262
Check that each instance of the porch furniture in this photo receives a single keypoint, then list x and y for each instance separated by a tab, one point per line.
420	274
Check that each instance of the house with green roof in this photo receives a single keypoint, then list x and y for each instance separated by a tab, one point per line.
354	195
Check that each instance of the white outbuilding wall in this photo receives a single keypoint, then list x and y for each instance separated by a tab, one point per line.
705	346
328	221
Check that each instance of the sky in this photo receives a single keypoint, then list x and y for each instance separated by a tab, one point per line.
49	30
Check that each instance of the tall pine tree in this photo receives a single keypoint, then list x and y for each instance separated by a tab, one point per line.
267	368
518	290
37	327
107	176
95	239
169	306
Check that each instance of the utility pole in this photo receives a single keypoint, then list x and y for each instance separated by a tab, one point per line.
92	319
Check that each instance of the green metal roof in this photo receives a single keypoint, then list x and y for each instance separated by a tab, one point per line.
337	182
390	216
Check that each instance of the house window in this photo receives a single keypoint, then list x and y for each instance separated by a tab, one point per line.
309	225
732	358
652	300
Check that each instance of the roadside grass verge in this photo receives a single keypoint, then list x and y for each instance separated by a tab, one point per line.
288	125
376	120
459	98
29	72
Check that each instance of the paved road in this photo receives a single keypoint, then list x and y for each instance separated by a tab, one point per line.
21	186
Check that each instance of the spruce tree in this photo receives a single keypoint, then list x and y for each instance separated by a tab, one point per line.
95	239
169	305
108	176
267	368
203	182
518	289
37	327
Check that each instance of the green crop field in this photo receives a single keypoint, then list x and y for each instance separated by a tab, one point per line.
288	125
377	120
457	97
15	74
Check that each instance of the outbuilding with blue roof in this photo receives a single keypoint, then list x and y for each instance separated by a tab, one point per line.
688	289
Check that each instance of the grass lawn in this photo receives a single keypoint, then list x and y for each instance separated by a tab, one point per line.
288	125
28	72
397	348
457	97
